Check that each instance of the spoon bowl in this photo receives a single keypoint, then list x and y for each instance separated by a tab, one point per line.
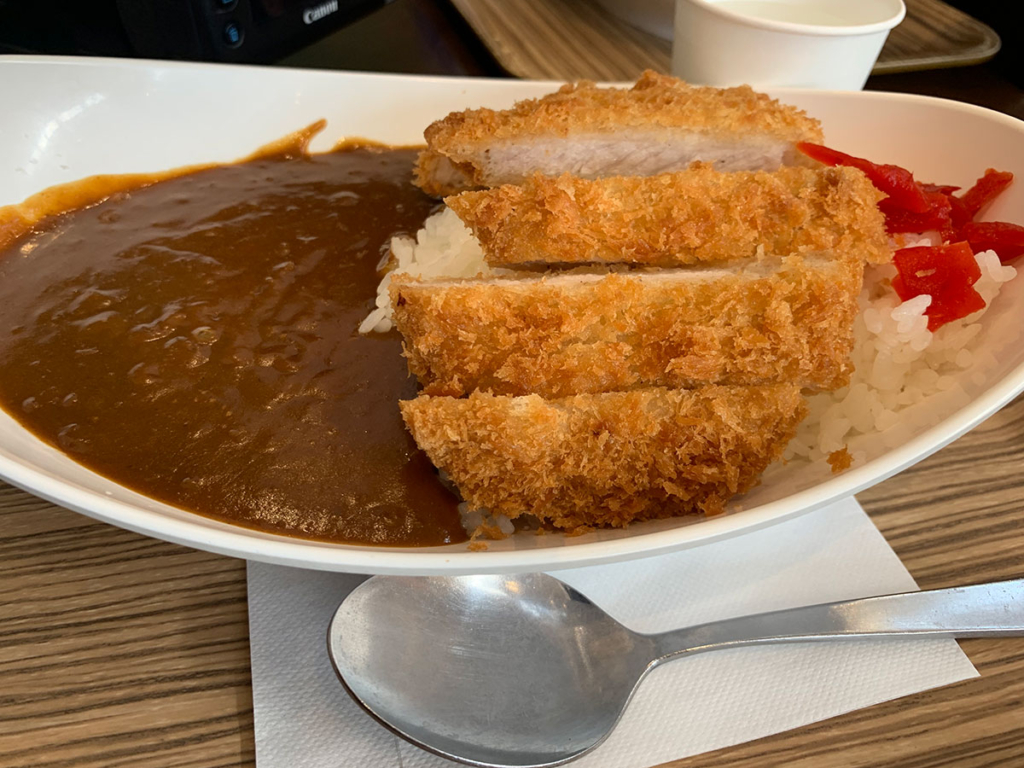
489	670
525	671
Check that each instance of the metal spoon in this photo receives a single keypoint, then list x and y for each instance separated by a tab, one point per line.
526	671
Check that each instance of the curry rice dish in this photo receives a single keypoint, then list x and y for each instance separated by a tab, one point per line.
195	339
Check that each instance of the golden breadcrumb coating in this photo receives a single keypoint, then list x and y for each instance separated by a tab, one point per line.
840	460
657	103
674	219
654	100
608	459
558	335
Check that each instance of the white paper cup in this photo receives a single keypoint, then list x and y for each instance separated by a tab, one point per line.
725	43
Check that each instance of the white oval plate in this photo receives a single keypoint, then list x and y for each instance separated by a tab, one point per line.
66	118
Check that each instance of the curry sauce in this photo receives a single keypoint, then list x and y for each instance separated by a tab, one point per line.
196	340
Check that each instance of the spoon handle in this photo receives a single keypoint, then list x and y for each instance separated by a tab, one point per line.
982	610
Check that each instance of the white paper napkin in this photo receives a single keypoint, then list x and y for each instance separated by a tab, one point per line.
305	719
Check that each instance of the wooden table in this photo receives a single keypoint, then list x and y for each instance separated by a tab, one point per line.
119	650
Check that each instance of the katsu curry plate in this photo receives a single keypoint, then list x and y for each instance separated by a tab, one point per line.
393	324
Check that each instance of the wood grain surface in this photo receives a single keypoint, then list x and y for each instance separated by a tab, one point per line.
120	650
573	39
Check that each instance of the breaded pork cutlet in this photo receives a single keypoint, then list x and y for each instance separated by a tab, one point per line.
563	334
660	124
673	219
607	459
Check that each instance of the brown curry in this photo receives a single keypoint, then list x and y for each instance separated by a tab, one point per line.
196	340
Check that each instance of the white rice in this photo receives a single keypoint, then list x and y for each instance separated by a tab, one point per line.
443	248
904	373
474	520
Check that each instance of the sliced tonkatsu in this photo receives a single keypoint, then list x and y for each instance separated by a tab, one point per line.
690	217
782	321
606	459
658	125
